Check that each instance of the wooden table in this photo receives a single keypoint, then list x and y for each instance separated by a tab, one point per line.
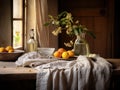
16	78
116	65
10	72
10	69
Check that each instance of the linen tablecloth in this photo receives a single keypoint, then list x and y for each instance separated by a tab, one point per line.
82	73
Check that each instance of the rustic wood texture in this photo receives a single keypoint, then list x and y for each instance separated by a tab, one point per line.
98	17
8	70
24	78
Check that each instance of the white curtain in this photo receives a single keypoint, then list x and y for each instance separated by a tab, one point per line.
41	18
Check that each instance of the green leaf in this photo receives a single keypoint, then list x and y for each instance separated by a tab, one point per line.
80	30
76	31
91	34
62	14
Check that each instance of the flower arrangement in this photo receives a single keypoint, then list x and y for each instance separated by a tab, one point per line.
64	21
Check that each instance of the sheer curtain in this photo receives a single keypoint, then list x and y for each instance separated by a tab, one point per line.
41	18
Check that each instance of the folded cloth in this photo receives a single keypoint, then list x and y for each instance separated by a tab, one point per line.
32	59
80	74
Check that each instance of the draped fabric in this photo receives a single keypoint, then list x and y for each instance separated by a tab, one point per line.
81	73
41	18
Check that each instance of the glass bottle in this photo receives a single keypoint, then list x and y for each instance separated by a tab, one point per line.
81	46
31	43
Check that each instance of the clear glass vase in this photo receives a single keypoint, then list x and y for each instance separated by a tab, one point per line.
81	46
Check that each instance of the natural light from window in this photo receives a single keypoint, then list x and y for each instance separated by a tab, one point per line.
17	23
17	33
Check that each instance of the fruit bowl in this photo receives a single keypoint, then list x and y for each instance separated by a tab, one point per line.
5	56
46	52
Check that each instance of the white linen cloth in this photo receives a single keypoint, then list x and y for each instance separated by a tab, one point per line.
80	74
32	59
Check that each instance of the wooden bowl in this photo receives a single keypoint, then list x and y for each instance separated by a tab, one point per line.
5	56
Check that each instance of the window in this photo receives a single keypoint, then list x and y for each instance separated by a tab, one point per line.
18	23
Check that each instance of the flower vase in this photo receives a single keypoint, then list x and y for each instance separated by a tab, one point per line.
81	46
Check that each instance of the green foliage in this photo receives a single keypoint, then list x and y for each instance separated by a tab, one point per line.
64	21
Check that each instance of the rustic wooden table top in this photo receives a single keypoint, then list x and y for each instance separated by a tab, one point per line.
8	70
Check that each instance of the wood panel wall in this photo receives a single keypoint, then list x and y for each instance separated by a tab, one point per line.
97	17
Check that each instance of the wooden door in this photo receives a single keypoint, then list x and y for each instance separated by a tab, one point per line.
97	16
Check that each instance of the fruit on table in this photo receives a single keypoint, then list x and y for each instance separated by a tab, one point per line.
65	55
62	53
8	49
61	50
57	54
71	53
2	49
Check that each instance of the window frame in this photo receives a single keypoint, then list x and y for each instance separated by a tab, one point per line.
23	19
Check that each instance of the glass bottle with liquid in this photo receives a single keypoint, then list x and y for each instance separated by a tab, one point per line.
81	46
32	42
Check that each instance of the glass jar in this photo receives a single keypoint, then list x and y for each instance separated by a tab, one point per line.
81	46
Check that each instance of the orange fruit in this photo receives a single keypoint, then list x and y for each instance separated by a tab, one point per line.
57	54
71	53
65	55
61	50
10	50
7	48
2	49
